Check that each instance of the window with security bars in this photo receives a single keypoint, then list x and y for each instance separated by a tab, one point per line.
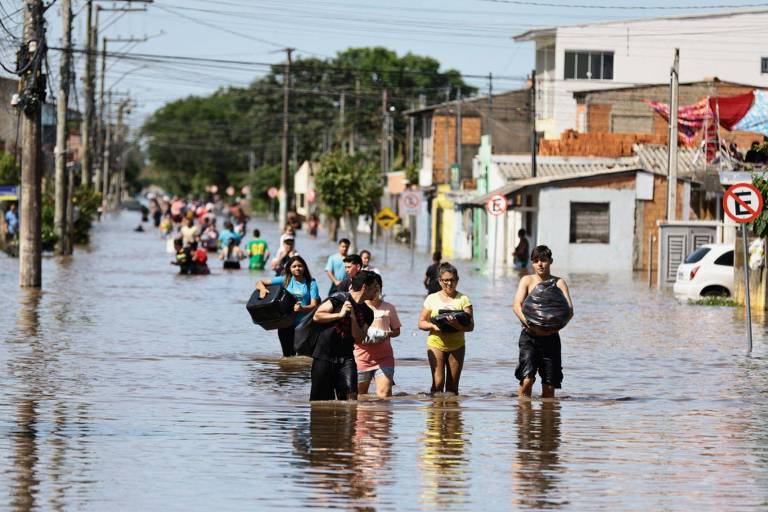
764	65
588	65
590	223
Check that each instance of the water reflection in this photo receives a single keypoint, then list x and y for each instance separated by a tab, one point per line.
537	468
285	375
443	459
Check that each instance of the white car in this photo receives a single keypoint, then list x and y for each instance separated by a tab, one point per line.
706	272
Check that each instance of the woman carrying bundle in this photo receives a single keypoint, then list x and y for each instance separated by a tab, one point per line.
297	280
447	315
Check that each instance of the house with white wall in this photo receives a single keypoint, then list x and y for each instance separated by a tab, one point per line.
635	52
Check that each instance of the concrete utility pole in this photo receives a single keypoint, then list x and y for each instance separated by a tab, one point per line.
458	128
120	137
342	121
32	86
60	211
411	130
489	128
100	120
353	131
284	175
86	125
674	83
384	132
534	142
107	145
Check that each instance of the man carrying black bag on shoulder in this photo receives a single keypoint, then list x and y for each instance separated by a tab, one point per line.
344	319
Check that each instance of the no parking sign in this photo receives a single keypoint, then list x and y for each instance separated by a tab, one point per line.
742	202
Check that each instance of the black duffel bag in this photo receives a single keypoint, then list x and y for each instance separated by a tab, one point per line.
274	311
441	320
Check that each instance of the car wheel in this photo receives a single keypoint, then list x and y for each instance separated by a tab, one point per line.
715	291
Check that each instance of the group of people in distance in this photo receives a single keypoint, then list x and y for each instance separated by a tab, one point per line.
355	326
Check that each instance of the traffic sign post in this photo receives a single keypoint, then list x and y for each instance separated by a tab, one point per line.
743	203
410	204
386	218
495	206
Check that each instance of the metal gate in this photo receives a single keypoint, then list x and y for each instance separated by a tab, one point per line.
679	239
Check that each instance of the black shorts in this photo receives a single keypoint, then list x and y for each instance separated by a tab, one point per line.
333	380
540	354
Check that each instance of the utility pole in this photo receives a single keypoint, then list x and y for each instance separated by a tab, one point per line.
342	122
411	130
674	83
458	129
284	175
32	86
534	141
120	137
102	142
489	128
384	132
86	125
107	146
355	117
60	209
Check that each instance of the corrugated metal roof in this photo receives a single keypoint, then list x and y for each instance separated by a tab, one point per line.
649	157
652	158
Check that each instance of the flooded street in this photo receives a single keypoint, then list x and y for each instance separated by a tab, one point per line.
124	386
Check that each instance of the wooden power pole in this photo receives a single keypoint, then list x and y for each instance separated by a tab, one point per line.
284	174
32	96
60	211
86	125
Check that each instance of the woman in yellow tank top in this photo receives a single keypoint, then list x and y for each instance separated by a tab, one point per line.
445	350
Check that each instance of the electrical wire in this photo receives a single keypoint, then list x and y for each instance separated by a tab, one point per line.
531	3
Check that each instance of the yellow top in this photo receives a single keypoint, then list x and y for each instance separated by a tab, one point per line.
445	341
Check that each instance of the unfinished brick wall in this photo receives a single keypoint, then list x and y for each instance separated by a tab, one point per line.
572	143
599	118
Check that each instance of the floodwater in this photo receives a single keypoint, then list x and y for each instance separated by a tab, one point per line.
124	386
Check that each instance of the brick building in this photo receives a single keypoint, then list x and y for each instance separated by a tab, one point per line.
610	121
439	147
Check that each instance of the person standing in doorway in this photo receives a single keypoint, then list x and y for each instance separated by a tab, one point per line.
335	266
520	254
445	350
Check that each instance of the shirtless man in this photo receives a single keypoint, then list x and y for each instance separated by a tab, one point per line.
539	348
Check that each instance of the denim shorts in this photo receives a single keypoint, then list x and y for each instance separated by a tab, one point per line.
367	376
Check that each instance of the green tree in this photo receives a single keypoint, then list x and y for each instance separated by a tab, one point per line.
9	169
198	141
348	186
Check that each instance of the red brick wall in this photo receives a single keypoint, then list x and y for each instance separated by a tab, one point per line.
572	143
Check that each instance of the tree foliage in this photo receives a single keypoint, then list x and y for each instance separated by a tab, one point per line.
348	185
200	141
10	171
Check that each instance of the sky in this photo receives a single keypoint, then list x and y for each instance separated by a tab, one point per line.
471	36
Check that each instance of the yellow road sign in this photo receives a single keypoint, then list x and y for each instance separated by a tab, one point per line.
386	218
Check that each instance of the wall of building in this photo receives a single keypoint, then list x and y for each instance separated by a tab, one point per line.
721	46
554	228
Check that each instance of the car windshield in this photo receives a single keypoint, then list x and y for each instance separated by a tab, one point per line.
697	255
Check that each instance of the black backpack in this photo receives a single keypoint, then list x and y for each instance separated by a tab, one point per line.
308	331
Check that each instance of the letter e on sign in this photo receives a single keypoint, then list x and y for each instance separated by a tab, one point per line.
742	202
496	205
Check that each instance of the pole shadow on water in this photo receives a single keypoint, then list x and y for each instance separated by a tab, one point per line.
347	449
537	466
38	452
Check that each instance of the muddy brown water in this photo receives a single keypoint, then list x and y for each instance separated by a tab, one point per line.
124	386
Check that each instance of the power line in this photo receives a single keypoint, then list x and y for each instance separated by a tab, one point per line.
626	7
